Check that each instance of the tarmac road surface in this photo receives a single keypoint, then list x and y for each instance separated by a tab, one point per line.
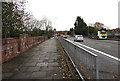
107	51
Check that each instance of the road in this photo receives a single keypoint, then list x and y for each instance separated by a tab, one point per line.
107	46
107	52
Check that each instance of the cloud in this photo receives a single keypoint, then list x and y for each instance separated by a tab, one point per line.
104	11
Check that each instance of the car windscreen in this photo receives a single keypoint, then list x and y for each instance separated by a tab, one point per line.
80	36
103	32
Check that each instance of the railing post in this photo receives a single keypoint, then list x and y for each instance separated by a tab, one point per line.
75	54
97	67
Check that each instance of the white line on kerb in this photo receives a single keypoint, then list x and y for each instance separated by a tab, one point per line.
115	58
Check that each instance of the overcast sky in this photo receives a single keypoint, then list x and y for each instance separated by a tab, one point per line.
63	13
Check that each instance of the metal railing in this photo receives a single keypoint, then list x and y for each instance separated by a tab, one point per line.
84	60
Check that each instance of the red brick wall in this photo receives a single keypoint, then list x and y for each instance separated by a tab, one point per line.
11	47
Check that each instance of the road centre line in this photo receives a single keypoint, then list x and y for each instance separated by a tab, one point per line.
115	58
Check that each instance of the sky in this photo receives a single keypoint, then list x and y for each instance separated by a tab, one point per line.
63	13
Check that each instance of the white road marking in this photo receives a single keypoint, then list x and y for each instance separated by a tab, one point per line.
108	55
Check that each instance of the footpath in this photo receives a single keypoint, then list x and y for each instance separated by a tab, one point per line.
44	61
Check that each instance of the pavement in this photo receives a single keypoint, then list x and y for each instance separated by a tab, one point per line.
39	62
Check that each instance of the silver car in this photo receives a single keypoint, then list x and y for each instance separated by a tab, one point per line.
78	38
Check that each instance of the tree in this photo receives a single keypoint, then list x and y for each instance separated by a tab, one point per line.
17	21
80	26
7	17
71	32
99	25
92	30
12	19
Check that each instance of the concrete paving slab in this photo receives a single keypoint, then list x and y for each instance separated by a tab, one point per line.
33	69
40	74
42	64
50	61
22	75
53	64
23	69
7	75
30	64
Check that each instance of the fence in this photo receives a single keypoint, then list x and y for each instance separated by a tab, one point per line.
13	47
84	60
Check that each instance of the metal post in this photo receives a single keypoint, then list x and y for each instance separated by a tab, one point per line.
74	54
88	31
97	67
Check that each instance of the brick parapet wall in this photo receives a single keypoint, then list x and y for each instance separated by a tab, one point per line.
13	47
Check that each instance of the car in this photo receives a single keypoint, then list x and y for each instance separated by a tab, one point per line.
61	35
78	38
65	36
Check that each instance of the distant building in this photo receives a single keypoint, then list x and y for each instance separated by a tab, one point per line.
62	32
